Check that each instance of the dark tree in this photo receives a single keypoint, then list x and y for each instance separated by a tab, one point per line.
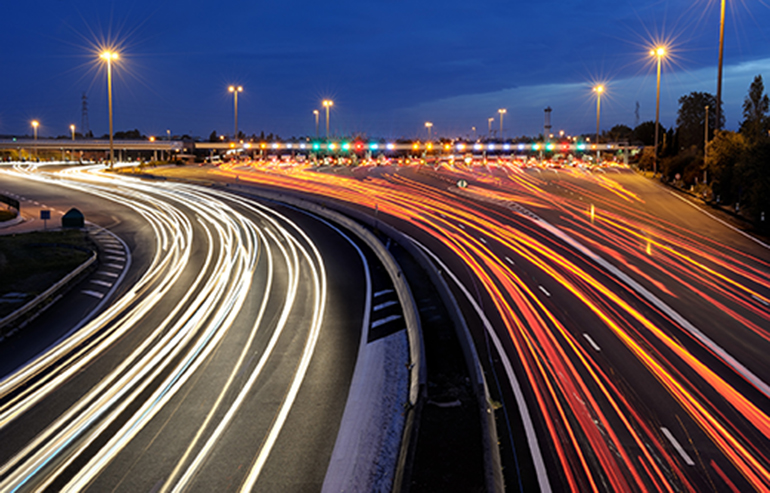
691	117
724	152
619	133
756	122
644	133
213	137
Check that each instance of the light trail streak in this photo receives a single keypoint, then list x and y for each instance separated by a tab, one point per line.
185	337
596	428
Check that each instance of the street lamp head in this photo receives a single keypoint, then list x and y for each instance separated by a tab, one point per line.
502	111
327	103
72	127
599	89
35	123
659	52
428	124
109	55
235	88
315	112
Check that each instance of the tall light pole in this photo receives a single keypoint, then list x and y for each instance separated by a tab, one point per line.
718	110
598	90
109	56
235	90
315	112
429	126
35	124
502	111
72	129
658	52
705	145
327	103
489	121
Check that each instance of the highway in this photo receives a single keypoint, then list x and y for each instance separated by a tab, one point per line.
222	361
623	328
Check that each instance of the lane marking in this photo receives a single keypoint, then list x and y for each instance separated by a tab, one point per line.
95	294
545	291
384	305
385	320
760	300
675	443
102	283
105	273
508	259
481	239
115	266
591	342
116	258
384	291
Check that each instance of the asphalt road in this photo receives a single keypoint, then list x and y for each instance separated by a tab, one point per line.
222	363
622	328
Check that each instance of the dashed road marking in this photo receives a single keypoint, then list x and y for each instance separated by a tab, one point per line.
102	283
109	274
385	320
95	294
384	305
115	266
481	239
116	258
675	443
545	291
757	298
384	291
508	259
591	342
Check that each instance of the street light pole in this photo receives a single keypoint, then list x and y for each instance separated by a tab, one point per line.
235	90
718	110
327	103
489	133
429	126
35	124
109	56
705	145
315	112
599	90
659	52
502	111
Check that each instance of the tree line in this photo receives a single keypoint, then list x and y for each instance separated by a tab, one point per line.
733	169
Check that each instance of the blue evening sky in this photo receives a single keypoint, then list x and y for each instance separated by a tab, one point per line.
389	65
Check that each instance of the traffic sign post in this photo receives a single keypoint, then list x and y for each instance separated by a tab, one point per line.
45	216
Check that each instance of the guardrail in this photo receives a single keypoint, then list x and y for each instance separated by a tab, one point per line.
48	293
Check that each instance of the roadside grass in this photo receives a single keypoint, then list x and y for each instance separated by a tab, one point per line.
30	263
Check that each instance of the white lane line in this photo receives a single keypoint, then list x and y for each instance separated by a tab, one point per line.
385	320
113	252
384	291
687	459
545	291
696	206
591	342
508	259
95	294
116	258
757	298
481	239
108	274
384	305
755	380
102	283
114	266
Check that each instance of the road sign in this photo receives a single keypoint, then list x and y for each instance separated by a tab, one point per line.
45	214
462	183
